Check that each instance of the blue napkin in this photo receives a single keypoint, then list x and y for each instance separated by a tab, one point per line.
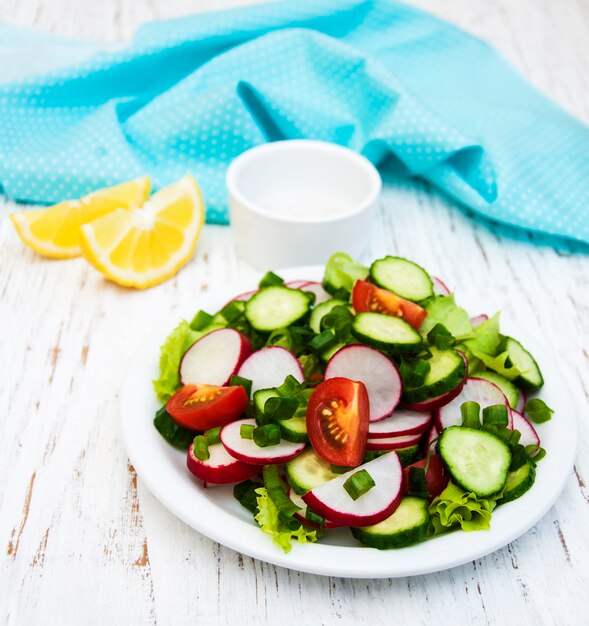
417	96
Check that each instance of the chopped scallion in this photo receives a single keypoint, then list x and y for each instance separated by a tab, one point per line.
201	320
280	409
201	448
267	435
440	337
470	412
246	431
271	279
358	484
496	414
239	381
212	436
322	342
314	518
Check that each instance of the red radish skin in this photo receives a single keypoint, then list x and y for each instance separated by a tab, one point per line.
300	515
521	402
432	439
401	422
269	367
427	406
214	358
440	288
243	296
220	468
431	405
296	284
378	373
476	389
478	319
392	443
331	500
247	451
529	435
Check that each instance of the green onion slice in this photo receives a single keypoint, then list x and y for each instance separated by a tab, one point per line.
271	279
471	414
246	431
358	484
267	435
201	448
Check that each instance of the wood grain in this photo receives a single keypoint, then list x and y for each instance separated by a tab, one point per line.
81	539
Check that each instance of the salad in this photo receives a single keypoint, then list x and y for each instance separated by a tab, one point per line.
371	401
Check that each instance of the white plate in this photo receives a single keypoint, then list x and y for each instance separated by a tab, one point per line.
215	513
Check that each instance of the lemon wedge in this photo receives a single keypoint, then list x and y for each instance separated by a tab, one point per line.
54	232
143	247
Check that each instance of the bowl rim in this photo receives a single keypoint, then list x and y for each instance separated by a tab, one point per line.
359	161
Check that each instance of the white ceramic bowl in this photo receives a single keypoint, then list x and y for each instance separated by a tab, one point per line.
299	201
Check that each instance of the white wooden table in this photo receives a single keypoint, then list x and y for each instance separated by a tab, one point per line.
83	542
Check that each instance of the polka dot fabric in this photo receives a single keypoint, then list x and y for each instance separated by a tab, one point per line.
417	96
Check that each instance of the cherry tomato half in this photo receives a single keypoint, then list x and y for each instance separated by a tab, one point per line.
436	477
200	407
337	421
367	298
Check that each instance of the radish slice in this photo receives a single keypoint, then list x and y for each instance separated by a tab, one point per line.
393	443
317	288
300	515
220	468
333	502
296	284
401	422
476	389
269	367
432	439
247	451
478	319
440	288
243	296
521	402
375	370
529	435
427	406
214	358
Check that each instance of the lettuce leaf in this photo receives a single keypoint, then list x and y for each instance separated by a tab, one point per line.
267	518
455	508
444	310
341	272
484	347
175	345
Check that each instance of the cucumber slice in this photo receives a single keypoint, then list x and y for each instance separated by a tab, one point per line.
511	392
276	307
393	334
260	398
448	369
320	311
406	526
403	277
307	471
519	482
530	376
477	460
294	429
